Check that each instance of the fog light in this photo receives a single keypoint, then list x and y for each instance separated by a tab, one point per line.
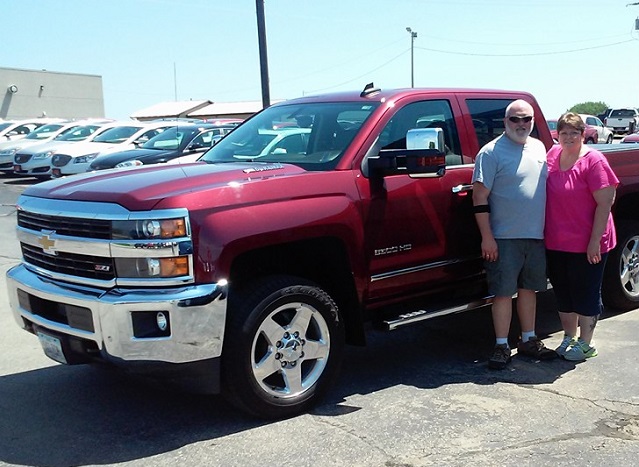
162	321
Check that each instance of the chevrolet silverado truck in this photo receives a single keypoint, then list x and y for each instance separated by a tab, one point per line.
247	272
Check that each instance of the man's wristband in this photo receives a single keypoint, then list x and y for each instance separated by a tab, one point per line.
481	208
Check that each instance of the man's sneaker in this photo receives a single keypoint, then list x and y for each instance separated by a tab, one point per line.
500	358
580	351
535	348
568	342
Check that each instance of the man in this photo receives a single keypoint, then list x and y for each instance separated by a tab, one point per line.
509	197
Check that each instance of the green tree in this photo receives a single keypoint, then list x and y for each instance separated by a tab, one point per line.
591	108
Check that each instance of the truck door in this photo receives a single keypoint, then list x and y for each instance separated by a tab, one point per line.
421	231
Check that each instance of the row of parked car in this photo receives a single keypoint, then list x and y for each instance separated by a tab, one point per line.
46	148
616	122
57	148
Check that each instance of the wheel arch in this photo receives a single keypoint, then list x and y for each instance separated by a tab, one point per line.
324	261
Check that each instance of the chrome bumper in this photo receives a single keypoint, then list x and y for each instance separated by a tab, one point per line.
197	317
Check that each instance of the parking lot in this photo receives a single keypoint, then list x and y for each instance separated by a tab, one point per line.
414	397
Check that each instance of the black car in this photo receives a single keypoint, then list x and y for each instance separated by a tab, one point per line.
171	143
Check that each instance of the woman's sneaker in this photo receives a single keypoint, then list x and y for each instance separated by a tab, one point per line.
580	351
568	342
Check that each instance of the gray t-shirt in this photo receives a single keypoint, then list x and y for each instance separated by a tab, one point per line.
516	175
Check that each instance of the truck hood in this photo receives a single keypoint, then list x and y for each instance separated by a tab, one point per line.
141	188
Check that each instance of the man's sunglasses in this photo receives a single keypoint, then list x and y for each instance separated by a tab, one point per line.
520	119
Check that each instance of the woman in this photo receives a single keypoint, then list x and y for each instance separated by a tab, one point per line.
579	233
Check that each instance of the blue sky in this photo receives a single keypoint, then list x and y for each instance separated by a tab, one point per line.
148	51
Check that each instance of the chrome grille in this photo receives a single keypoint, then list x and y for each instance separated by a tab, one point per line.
91	267
71	226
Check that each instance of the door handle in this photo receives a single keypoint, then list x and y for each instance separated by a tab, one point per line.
462	188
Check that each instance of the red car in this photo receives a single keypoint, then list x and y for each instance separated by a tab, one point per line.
590	134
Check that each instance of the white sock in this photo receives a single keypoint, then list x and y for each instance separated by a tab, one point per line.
502	341
527	335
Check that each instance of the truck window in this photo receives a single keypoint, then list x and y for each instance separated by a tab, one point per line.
488	118
423	114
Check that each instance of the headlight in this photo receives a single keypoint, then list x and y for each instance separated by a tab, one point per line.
152	267
84	159
149	229
133	163
43	155
9	152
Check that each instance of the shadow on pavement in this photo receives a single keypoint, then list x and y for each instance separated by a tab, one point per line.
79	415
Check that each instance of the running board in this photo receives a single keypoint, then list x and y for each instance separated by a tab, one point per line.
422	315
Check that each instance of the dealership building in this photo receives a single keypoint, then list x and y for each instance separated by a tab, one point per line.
42	93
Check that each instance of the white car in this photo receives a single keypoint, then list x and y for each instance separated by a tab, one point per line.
40	135
76	158
268	142
36	160
13	130
604	134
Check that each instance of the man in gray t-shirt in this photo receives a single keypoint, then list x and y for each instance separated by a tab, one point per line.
509	195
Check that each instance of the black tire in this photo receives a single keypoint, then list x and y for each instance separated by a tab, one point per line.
621	277
590	141
283	346
609	140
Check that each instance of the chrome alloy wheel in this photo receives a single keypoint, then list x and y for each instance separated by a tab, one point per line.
290	350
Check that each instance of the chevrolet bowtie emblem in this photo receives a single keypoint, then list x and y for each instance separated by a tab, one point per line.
47	244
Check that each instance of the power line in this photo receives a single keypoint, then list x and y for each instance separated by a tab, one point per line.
526	54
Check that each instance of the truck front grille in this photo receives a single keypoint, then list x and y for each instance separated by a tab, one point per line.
91	267
71	226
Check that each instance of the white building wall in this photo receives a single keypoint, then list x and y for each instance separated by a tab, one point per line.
33	93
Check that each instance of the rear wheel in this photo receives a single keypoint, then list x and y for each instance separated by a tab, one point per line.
609	140
590	141
282	346
621	278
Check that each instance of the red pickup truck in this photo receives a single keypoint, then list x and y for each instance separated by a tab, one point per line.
246	273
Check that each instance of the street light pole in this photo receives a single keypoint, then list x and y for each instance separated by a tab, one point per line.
413	35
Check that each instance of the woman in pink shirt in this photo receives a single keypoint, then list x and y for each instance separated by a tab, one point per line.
579	233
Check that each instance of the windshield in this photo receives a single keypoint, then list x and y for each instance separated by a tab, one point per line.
117	134
77	133
312	136
5	125
552	124
45	131
171	138
623	113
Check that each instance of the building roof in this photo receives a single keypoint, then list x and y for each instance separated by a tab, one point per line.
227	108
170	109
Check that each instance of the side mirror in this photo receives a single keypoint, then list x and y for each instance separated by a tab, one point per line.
425	155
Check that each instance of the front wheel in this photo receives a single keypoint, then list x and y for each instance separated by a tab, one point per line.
590	141
621	277
609	140
283	346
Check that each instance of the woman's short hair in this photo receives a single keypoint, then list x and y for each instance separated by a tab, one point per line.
571	120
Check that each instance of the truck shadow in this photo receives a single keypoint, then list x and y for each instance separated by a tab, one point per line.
66	415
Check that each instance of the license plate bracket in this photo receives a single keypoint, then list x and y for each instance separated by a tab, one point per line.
52	347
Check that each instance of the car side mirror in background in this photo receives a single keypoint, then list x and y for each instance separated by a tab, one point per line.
425	155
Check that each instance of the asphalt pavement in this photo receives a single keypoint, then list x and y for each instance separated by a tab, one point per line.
420	396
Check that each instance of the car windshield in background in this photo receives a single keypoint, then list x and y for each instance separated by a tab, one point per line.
44	131
622	113
117	135
312	136
171	138
5	125
552	124
78	133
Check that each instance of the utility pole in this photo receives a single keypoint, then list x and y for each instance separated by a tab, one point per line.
261	34
413	36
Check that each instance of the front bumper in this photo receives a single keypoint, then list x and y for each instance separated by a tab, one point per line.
110	325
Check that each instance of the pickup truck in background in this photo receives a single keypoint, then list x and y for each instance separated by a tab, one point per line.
247	272
623	121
